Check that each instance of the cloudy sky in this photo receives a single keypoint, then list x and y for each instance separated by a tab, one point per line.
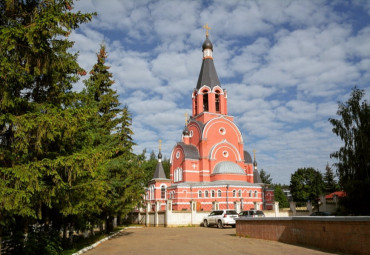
285	65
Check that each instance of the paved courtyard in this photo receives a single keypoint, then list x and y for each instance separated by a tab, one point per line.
193	241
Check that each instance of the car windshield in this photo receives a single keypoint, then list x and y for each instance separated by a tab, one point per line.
231	213
259	213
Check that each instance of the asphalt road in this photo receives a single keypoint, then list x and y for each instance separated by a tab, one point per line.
193	241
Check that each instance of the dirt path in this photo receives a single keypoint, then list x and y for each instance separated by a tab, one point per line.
193	241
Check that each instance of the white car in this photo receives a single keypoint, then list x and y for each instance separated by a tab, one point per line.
220	218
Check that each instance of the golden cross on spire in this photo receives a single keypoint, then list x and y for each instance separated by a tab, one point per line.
160	144
206	27
186	118
254	154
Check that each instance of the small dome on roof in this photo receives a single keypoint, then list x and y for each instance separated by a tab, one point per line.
247	157
228	167
186	131
207	44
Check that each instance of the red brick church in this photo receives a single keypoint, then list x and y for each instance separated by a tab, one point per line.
210	165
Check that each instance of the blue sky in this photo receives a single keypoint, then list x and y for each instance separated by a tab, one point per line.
285	65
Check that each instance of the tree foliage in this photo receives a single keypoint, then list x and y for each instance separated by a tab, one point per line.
353	166
111	125
265	177
66	158
149	166
280	197
42	133
306	184
329	180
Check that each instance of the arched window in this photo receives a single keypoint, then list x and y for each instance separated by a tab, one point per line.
205	100
217	98
250	193
163	192
199	193
178	175
219	194
212	193
255	193
206	193
239	193
234	193
151	195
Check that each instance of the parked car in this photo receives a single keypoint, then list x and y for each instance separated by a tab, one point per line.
220	218
251	214
321	214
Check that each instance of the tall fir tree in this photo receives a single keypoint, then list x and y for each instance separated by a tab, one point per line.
265	177
113	133
46	159
329	180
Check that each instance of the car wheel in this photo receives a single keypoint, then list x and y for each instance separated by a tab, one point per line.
220	225
205	223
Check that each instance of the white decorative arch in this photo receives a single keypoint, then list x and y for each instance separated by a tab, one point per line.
218	87
216	121
200	92
218	146
196	125
194	94
173	151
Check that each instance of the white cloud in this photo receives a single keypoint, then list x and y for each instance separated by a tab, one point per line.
285	64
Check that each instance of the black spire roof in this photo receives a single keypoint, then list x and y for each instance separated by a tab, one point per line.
159	171
256	176
208	75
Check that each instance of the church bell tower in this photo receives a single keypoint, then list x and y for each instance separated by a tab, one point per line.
208	97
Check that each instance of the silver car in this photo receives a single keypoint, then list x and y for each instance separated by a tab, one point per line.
220	218
251	213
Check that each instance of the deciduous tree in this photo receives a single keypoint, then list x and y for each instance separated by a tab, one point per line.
353	166
306	184
280	197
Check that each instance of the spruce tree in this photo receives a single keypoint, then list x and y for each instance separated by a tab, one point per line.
265	177
112	129
329	181
43	135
